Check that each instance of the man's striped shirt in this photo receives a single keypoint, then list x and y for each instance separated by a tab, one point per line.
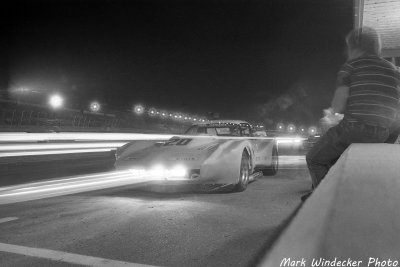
374	85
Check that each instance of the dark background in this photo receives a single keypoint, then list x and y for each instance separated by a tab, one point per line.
270	61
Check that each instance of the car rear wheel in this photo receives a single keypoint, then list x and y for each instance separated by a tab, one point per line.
273	168
244	173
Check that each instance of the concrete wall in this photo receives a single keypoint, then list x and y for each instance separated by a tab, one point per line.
354	213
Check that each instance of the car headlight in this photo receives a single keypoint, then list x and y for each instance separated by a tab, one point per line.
176	172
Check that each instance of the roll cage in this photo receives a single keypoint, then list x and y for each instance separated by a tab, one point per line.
221	129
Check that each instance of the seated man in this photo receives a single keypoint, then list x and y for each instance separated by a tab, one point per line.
367	93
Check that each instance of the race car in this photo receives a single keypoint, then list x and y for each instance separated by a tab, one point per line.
215	152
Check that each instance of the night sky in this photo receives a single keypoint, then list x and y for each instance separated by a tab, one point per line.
271	60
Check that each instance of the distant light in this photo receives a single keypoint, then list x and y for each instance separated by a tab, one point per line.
95	106
56	101
139	109
280	126
312	130
152	112
291	128
170	114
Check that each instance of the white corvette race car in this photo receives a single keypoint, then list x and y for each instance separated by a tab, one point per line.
216	152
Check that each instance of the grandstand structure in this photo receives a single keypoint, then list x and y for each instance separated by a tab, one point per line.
22	116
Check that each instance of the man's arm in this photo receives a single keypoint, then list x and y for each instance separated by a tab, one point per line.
333	115
340	99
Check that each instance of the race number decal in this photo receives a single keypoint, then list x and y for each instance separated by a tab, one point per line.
178	142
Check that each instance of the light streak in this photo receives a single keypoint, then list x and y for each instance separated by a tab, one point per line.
53	152
35	137
289	140
77	136
65	182
50	181
25	147
69	185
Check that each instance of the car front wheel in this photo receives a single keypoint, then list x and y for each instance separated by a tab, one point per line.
244	173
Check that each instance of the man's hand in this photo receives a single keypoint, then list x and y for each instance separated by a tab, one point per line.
330	118
340	99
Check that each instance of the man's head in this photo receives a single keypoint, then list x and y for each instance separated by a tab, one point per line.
363	41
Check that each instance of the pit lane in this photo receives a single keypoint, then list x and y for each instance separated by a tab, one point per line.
135	224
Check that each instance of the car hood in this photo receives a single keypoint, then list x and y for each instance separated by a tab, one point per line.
190	152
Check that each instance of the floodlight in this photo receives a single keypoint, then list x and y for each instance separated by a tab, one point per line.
291	128
312	130
152	112
138	109
95	106
56	101
280	126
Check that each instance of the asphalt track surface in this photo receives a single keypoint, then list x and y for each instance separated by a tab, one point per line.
141	224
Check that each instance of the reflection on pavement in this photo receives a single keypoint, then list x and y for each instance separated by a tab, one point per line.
292	161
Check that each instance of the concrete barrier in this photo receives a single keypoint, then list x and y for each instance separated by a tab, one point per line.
352	219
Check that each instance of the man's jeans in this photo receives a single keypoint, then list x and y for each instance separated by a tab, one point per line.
335	141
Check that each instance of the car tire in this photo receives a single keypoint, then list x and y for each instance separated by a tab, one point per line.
273	169
244	173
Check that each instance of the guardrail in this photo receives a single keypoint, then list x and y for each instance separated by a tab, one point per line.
352	218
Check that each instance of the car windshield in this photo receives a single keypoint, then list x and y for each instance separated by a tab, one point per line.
233	130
